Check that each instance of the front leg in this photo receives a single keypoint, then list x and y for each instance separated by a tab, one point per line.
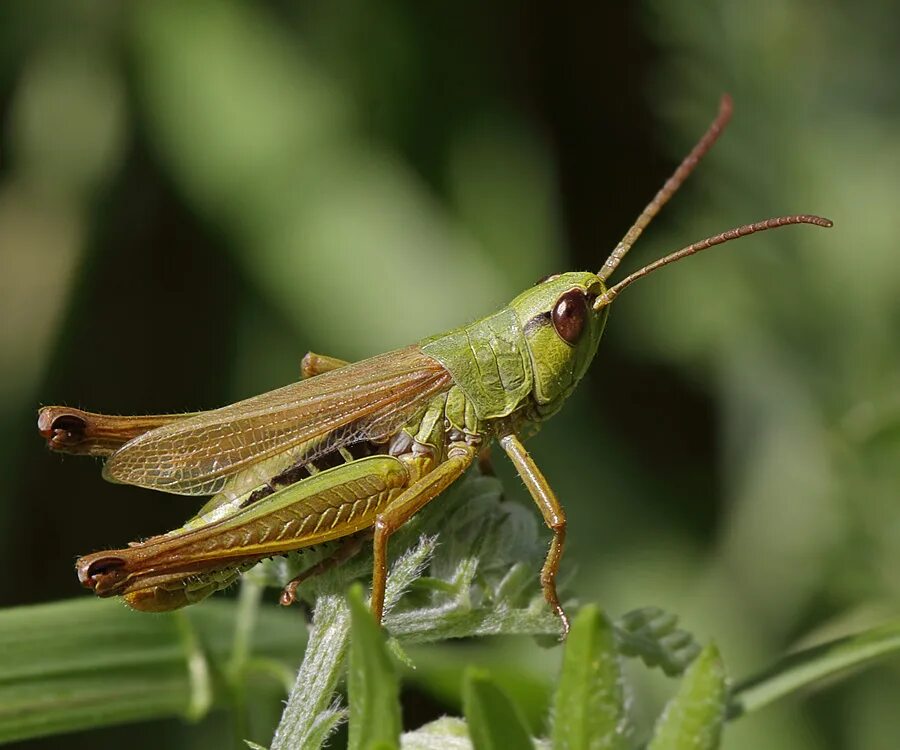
554	517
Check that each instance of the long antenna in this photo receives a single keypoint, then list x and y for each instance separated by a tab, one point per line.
668	190
732	234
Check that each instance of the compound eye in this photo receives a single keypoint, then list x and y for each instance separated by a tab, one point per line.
569	315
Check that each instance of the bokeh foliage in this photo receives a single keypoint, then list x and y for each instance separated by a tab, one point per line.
194	194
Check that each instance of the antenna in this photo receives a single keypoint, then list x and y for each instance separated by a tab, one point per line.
668	190
719	239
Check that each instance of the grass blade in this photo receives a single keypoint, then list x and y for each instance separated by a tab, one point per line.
86	663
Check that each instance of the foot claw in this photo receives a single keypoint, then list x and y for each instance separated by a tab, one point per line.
288	595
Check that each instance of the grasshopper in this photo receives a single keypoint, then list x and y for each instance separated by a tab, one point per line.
352	451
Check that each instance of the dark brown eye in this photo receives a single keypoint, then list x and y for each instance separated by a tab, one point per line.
569	315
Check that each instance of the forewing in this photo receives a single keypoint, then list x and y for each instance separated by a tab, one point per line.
196	456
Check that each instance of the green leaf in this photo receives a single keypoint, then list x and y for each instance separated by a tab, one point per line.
650	633
693	719
446	733
495	723
803	668
588	709
87	662
373	690
440	668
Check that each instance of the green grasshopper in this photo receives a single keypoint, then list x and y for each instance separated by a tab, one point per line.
353	451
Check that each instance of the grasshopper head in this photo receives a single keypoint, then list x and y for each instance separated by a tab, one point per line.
562	329
563	316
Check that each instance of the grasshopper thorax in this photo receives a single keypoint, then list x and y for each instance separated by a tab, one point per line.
562	330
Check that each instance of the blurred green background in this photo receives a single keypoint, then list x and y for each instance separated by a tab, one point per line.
192	195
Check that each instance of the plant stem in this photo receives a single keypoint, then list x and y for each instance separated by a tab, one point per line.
235	671
805	668
308	703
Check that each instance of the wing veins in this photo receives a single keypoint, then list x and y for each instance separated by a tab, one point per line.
197	455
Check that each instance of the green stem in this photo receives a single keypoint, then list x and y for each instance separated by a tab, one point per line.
248	606
236	670
805	667
307	712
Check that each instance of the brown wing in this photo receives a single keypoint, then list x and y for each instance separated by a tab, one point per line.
363	400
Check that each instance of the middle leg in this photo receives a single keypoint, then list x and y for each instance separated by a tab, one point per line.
404	507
